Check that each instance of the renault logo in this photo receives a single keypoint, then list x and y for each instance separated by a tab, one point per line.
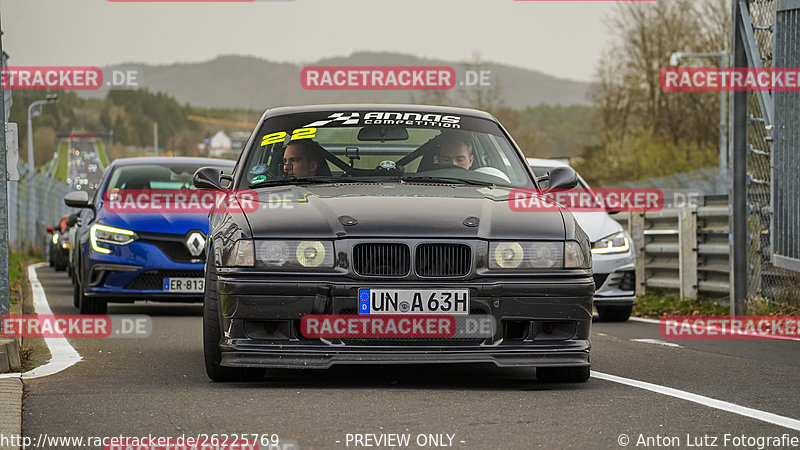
196	243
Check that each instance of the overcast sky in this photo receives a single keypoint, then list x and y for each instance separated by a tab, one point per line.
558	38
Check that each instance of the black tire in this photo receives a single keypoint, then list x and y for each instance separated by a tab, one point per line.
563	374
60	267
87	305
614	313
76	293
211	336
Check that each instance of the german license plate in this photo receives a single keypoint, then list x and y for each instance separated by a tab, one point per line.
183	284
413	301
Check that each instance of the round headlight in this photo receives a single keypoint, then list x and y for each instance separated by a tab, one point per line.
508	255
310	253
542	255
275	253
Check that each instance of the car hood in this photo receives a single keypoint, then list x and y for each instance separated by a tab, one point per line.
397	210
597	224
168	223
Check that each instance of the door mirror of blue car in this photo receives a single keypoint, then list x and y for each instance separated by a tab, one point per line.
77	199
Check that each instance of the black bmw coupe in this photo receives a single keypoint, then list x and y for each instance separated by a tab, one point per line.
386	234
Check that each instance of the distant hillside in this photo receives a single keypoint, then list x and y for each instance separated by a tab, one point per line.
248	82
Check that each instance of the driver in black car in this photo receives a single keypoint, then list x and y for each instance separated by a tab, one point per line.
456	150
301	158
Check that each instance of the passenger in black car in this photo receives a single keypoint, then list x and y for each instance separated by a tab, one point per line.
456	150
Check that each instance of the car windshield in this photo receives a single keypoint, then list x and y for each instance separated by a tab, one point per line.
370	146
156	176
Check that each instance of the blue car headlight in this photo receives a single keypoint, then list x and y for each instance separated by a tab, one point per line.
100	233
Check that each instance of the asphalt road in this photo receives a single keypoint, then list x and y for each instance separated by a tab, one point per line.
157	386
79	167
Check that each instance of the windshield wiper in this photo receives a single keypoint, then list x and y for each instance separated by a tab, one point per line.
308	180
447	180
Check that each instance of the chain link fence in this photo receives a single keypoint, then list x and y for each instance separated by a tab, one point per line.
765	281
35	202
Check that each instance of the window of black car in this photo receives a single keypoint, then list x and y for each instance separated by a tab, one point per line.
381	146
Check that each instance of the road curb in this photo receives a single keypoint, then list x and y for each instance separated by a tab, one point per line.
10	409
9	355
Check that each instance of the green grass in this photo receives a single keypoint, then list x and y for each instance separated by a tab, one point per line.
63	159
764	307
15	263
105	160
655	306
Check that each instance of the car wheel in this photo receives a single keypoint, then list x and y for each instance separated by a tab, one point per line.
614	313
60	267
212	336
562	374
87	305
76	293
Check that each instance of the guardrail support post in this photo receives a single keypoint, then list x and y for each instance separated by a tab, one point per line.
687	235
636	232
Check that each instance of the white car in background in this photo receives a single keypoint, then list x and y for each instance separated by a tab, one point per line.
613	259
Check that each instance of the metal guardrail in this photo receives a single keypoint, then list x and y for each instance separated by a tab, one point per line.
34	203
682	249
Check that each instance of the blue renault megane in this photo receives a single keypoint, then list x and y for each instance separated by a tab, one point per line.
143	235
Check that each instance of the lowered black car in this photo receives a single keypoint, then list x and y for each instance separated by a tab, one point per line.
363	234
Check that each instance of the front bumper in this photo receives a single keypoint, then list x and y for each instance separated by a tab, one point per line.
136	272
520	308
615	283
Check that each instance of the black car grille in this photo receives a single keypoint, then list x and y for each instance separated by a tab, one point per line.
599	279
152	280
443	260
382	259
173	247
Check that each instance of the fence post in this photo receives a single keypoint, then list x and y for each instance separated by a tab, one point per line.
636	232
687	256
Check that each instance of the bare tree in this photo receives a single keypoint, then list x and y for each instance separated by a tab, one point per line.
627	92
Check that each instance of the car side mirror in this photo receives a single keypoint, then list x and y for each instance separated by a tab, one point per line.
77	199
562	177
49	230
207	178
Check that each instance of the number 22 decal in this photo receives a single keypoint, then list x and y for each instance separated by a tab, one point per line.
280	136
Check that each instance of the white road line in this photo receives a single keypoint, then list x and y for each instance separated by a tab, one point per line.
657	342
63	355
642	319
786	422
